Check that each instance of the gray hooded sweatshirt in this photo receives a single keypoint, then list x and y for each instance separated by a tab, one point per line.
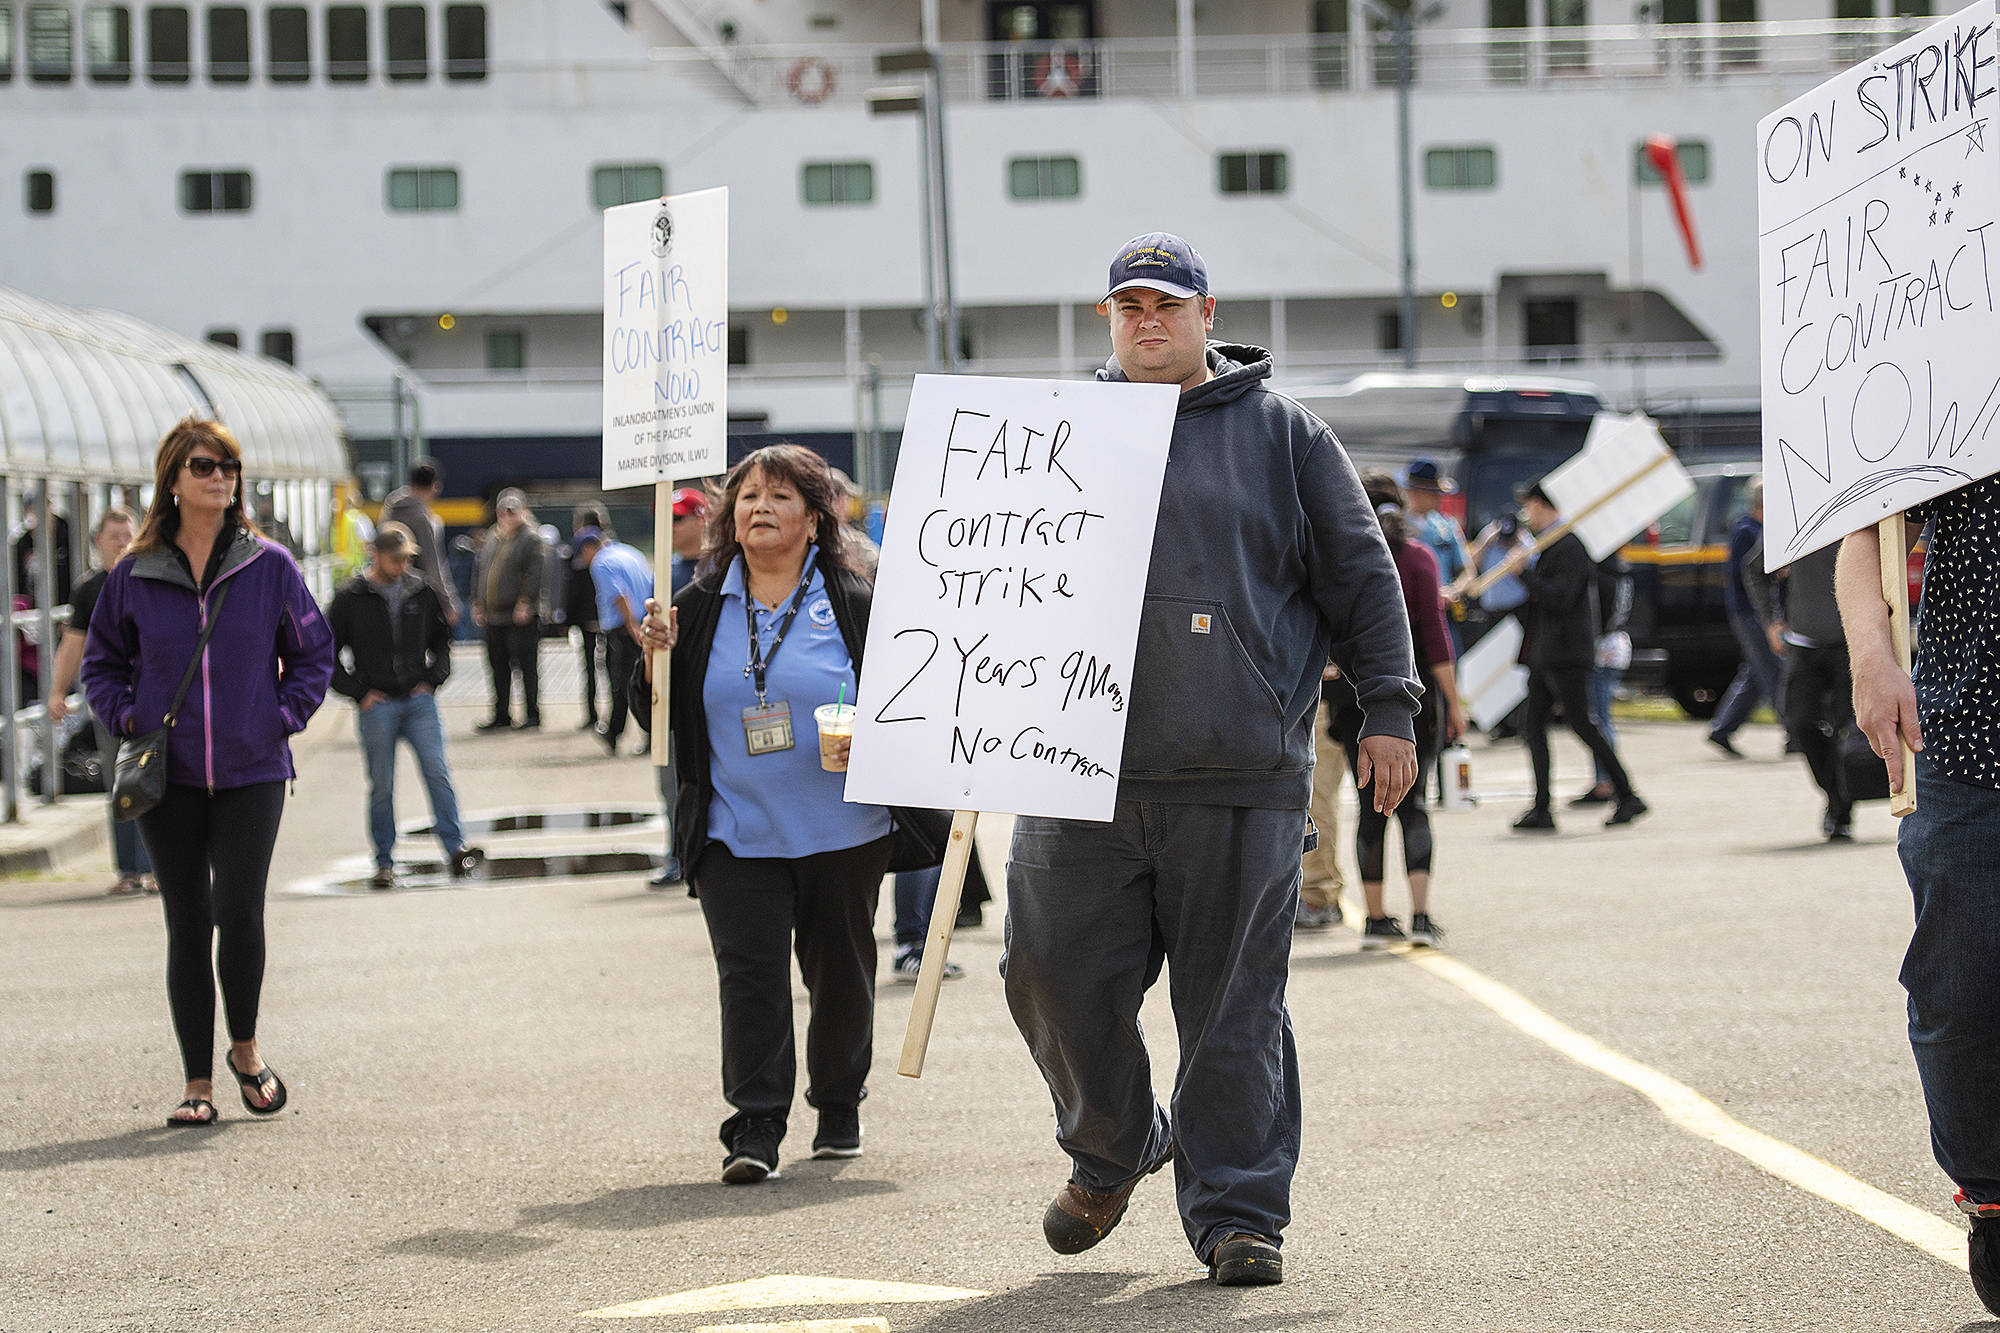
1267	560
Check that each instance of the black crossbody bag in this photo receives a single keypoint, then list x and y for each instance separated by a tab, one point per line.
139	780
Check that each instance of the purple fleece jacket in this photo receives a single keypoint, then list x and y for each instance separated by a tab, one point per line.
261	678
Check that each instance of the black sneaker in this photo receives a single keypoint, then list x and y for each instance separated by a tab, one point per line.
839	1133
1724	744
1982	1260
1590	798
529	724
1425	931
1244	1260
1379	932
1537	820
1838	825
1629	809
383	878
493	724
754	1154
466	862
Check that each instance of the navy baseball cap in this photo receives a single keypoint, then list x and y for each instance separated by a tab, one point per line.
1159	260
1424	474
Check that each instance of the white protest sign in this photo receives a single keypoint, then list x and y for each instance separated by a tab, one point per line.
1490	678
1624	478
1006	613
666	339
1877	195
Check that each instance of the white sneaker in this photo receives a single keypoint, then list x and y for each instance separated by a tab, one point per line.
909	963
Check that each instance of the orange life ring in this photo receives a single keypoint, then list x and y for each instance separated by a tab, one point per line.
810	80
1059	73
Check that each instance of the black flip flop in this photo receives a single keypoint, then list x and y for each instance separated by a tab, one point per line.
195	1104
245	1082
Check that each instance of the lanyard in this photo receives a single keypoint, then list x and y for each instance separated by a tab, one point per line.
760	661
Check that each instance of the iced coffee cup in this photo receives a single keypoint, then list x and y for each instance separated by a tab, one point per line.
836	724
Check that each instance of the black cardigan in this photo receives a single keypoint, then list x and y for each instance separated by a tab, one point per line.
1562	613
700	608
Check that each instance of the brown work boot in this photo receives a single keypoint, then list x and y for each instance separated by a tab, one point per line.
1079	1218
1246	1260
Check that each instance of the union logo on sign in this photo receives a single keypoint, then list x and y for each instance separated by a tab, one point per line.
663	232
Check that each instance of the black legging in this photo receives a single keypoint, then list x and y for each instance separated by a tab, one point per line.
211	855
1371	830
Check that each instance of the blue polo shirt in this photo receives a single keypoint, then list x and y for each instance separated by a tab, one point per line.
618	568
781	804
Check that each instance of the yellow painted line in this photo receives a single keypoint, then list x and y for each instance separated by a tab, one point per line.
1640	554
782	1291
872	1324
1699	1116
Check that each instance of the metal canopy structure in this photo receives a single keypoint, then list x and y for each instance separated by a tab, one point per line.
86	395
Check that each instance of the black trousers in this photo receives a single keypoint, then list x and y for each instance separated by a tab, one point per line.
1569	686
212	855
760	910
591	638
1818	704
511	648
621	654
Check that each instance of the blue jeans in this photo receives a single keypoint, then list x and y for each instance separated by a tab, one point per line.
128	849
1952	972
1603	691
1093	911
414	719
1756	679
916	890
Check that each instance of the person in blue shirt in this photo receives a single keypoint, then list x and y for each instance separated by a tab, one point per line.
1424	489
774	625
623	578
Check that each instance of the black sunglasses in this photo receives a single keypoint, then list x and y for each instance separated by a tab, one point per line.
203	466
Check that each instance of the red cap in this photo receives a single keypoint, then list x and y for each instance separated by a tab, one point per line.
688	500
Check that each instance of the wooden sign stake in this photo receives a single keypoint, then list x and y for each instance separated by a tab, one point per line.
937	946
1562	529
1892	548
663	591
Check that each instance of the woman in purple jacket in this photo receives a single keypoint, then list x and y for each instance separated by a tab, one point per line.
262	676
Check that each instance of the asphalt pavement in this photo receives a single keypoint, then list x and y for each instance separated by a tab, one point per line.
504	1094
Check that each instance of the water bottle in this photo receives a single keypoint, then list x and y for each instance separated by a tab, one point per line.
1457	764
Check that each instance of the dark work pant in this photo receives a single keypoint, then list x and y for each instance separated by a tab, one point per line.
1569	686
511	648
1756	679
211	855
1952	972
1093	911
621	654
591	638
1819	703
760	910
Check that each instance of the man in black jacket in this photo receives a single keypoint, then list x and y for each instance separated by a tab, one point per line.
1559	651
391	650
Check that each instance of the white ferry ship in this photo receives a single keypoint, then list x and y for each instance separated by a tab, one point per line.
402	196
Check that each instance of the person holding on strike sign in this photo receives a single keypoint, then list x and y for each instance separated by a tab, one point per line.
262	674
772	627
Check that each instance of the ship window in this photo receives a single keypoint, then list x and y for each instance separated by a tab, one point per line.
280	345
41	191
223	338
1388	330
347	43
287	44
1252	173
739	346
1331	21
838	182
465	43
167	44
228	44
6	43
422	190
1044	178
1693	154
51	54
1467	167
627	183
407	42
215	192
107	43
506	349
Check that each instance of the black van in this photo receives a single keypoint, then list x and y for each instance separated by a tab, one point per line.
1680	630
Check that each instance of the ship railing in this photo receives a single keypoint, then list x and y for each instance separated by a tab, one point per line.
1640	54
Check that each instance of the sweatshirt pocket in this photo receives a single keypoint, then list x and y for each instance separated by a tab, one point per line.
1198	701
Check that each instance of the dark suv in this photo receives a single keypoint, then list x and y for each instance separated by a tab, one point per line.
1680	566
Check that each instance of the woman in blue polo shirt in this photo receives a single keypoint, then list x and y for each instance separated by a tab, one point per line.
771	627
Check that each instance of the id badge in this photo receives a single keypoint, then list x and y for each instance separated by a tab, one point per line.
767	728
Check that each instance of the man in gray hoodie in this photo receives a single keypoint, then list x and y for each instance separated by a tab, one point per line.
1267	561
